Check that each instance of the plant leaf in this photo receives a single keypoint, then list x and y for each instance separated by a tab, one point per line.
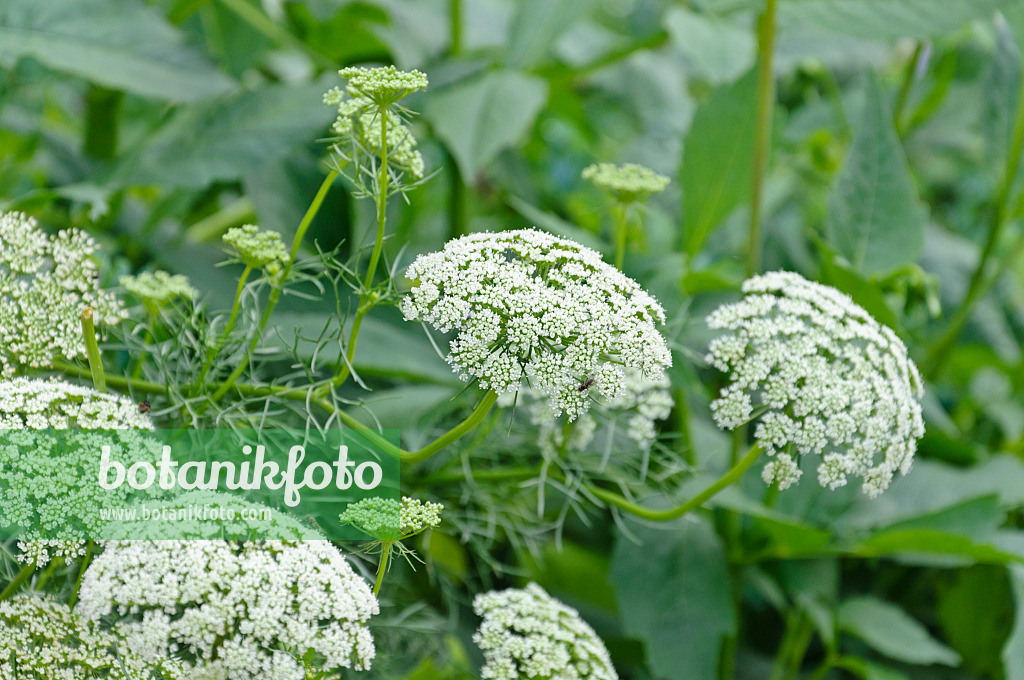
718	159
122	44
479	118
674	595
876	220
537	25
890	631
720	50
888	19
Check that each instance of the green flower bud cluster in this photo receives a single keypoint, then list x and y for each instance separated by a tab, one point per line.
626	183
257	249
158	288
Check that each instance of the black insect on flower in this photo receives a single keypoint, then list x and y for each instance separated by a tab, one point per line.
586	384
144	406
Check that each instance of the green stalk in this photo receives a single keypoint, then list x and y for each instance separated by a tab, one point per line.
620	227
275	293
367	298
92	350
12	587
102	120
81	573
382	568
905	88
763	130
1001	215
455	26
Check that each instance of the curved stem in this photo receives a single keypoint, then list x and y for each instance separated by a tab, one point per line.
383	177
275	293
81	573
726	480
236	305
12	587
763	130
92	350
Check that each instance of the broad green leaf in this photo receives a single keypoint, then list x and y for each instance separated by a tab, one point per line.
674	595
537	25
888	19
1013	652
122	44
228	137
876	220
978	639
718	159
481	117
1001	92
718	49
889	631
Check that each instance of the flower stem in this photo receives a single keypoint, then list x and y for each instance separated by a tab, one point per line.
81	573
92	350
455	26
620	228
763	130
1001	215
366	297
236	305
22	576
382	568
697	501
275	293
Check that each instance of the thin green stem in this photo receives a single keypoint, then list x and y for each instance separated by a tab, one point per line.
382	568
1001	216
620	228
48	572
81	573
19	579
383	179
725	481
763	130
275	293
92	350
905	88
236	305
455	26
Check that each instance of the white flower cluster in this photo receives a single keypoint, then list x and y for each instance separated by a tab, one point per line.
526	633
385	519
159	287
628	183
45	284
528	304
359	124
49	485
634	413
234	610
822	377
41	639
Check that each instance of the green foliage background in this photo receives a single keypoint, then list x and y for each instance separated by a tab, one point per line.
894	174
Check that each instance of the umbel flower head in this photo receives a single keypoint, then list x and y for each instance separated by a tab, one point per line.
822	377
234	610
627	183
41	639
530	305
158	288
385	519
358	126
45	283
257	249
384	85
526	633
51	487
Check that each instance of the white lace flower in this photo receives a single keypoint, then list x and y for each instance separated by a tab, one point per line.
45	284
530	305
822	377
526	633
41	639
234	610
43	488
